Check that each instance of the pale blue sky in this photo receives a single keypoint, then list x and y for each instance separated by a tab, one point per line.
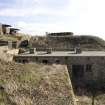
40	16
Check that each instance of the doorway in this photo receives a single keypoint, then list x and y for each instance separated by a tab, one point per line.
78	74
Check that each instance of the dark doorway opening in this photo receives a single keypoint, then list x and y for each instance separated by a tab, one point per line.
77	75
45	61
57	61
77	71
25	61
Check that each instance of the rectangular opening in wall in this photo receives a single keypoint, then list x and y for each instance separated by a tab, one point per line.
77	71
77	77
45	61
88	68
25	61
57	61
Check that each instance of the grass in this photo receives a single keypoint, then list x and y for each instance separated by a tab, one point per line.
87	42
14	37
34	84
9	38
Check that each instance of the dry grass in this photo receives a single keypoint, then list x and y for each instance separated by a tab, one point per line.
99	98
9	37
33	84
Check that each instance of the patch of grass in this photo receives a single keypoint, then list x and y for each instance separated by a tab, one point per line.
28	77
26	84
8	38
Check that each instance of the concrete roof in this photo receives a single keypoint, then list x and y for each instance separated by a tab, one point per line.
14	29
65	53
58	34
6	25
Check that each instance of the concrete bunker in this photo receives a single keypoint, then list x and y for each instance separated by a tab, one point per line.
85	67
5	28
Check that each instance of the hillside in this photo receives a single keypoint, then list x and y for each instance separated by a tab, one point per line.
10	37
33	84
17	37
67	43
88	42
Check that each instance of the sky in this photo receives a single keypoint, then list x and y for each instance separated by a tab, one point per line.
83	17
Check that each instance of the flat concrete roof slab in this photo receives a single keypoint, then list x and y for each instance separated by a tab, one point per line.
65	53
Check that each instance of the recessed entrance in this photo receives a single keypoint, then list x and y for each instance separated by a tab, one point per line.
77	71
45	61
77	74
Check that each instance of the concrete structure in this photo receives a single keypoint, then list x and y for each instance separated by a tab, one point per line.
32	51
60	34
63	42
66	42
4	29
12	44
60	41
84	67
13	31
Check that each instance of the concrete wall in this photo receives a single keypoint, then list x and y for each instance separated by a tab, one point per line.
12	44
4	30
97	63
7	30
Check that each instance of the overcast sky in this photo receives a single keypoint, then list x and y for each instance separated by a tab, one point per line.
40	16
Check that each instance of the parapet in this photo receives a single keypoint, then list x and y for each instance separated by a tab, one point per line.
49	50
78	50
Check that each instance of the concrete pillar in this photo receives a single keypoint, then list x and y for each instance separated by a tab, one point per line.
32	50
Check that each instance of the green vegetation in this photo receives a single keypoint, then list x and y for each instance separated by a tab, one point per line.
9	38
14	37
